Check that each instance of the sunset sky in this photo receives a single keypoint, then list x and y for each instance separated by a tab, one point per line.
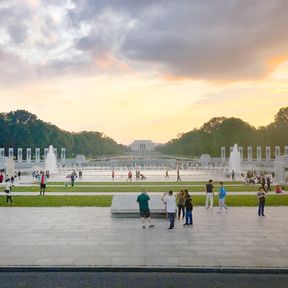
143	69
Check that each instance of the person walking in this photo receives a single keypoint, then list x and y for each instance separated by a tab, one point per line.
167	174
268	181
209	194
221	197
178	176
171	208
113	175
8	188
261	197
143	201
43	179
180	200
188	209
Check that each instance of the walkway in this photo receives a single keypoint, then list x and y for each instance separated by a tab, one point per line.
89	236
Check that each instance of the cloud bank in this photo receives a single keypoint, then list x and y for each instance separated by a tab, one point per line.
201	39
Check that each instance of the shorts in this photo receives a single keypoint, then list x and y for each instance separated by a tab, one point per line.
145	213
43	186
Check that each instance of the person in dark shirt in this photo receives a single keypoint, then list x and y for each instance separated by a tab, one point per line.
143	200
209	194
188	208
268	181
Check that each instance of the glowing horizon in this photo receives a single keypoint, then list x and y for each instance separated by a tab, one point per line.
128	72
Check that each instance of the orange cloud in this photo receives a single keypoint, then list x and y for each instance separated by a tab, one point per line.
274	62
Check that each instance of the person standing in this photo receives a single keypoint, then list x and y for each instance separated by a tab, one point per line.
129	176
143	201
113	175
178	175
19	175
1	177
180	199
233	175
171	208
261	197
8	187
188	208
209	194
268	181
42	179
72	178
167	174
263	182
221	195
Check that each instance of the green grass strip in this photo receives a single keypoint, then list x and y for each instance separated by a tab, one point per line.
120	188
105	201
58	201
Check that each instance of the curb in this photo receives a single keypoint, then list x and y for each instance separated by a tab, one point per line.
160	269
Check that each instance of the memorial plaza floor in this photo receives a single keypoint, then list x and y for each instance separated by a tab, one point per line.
71	236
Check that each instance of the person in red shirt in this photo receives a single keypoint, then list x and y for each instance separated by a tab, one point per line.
42	183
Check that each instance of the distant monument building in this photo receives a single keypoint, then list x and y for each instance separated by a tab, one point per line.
143	145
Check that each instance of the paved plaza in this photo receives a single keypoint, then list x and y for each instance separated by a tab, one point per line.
71	236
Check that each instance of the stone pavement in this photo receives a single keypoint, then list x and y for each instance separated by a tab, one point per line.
90	237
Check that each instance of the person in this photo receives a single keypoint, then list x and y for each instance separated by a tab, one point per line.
142	176
113	175
278	189
209	194
42	180
188	208
72	178
19	175
1	178
80	174
221	195
12	179
8	187
178	175
171	208
129	176
233	175
180	200
268	182
167	174
263	182
143	200
261	197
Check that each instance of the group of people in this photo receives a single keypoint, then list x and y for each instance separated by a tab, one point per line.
183	203
138	175
72	178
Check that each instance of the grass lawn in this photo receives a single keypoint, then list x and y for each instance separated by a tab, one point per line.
58	201
121	188
105	201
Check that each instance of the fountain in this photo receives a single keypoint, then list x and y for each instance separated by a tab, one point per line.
235	160
51	161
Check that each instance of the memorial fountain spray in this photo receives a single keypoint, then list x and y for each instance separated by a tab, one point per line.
51	161
235	160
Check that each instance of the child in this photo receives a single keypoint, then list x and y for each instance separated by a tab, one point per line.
8	191
261	197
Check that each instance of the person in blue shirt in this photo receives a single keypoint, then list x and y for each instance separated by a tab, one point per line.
221	195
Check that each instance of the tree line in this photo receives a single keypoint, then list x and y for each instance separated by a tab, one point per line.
22	129
222	131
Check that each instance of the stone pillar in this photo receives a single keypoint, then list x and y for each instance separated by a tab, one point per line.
55	152
2	152
28	155
241	152
45	153
223	154
19	155
37	155
11	152
277	151
259	153
249	153
268	153
285	150
63	155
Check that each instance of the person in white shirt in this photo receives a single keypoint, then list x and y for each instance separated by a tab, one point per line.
170	202
8	186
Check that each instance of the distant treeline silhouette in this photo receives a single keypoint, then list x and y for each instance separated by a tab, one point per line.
20	129
222	131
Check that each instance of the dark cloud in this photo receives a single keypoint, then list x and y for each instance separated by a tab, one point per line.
207	39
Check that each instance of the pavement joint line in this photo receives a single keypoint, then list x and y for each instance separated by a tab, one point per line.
148	269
